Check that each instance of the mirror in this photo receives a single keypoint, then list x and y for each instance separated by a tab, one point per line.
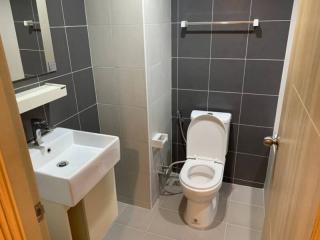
25	33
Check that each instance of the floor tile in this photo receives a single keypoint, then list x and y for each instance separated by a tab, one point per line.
151	236
245	215
136	217
248	195
121	207
171	202
170	224
122	232
241	233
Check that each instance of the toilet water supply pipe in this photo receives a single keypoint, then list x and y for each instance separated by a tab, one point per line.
169	169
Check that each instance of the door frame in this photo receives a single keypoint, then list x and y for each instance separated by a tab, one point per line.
19	192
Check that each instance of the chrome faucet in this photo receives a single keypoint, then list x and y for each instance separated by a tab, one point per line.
38	127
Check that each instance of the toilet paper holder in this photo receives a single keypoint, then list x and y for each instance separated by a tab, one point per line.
159	140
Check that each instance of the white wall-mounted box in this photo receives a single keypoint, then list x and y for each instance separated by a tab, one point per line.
35	97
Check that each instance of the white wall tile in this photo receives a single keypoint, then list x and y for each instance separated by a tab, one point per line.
133	123
107	89
126	12
133	185
128	45
98	12
132	86
101	45
108	124
134	156
156	11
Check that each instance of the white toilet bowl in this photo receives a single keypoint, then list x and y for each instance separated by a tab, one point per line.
202	174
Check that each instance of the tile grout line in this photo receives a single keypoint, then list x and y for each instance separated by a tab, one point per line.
52	78
241	100
71	68
93	72
226	92
78	113
233	59
177	85
210	54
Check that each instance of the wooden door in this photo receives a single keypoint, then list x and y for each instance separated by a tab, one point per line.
294	200
18	192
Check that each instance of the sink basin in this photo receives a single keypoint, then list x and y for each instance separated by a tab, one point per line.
70	163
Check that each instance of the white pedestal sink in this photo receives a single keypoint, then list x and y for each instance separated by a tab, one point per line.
73	168
72	162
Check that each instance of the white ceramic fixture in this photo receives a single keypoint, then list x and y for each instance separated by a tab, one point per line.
70	163
39	96
202	174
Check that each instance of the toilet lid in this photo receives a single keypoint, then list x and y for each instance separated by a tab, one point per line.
201	174
206	138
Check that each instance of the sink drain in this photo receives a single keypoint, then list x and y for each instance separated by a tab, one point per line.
62	164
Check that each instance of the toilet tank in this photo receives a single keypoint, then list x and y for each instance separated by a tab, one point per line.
223	116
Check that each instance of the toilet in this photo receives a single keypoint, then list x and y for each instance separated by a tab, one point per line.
202	174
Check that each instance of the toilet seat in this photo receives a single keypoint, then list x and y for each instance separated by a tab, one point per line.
201	175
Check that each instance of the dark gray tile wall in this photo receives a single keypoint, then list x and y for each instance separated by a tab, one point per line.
232	69
78	110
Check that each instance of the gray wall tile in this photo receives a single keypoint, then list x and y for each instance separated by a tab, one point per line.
174	10
194	42
251	168
71	123
65	107
79	47
31	62
225	102
226	75
26	39
251	140
174	83
231	10
271	42
85	90
272	9
21	10
55	13
263	77
233	137
229	41
174	102
230	164
191	100
193	74
258	110
60	48
74	12
195	10
174	39
89	120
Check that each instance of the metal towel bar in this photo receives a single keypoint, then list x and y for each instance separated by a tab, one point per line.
185	24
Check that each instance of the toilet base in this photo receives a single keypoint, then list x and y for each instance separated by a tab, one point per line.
201	214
